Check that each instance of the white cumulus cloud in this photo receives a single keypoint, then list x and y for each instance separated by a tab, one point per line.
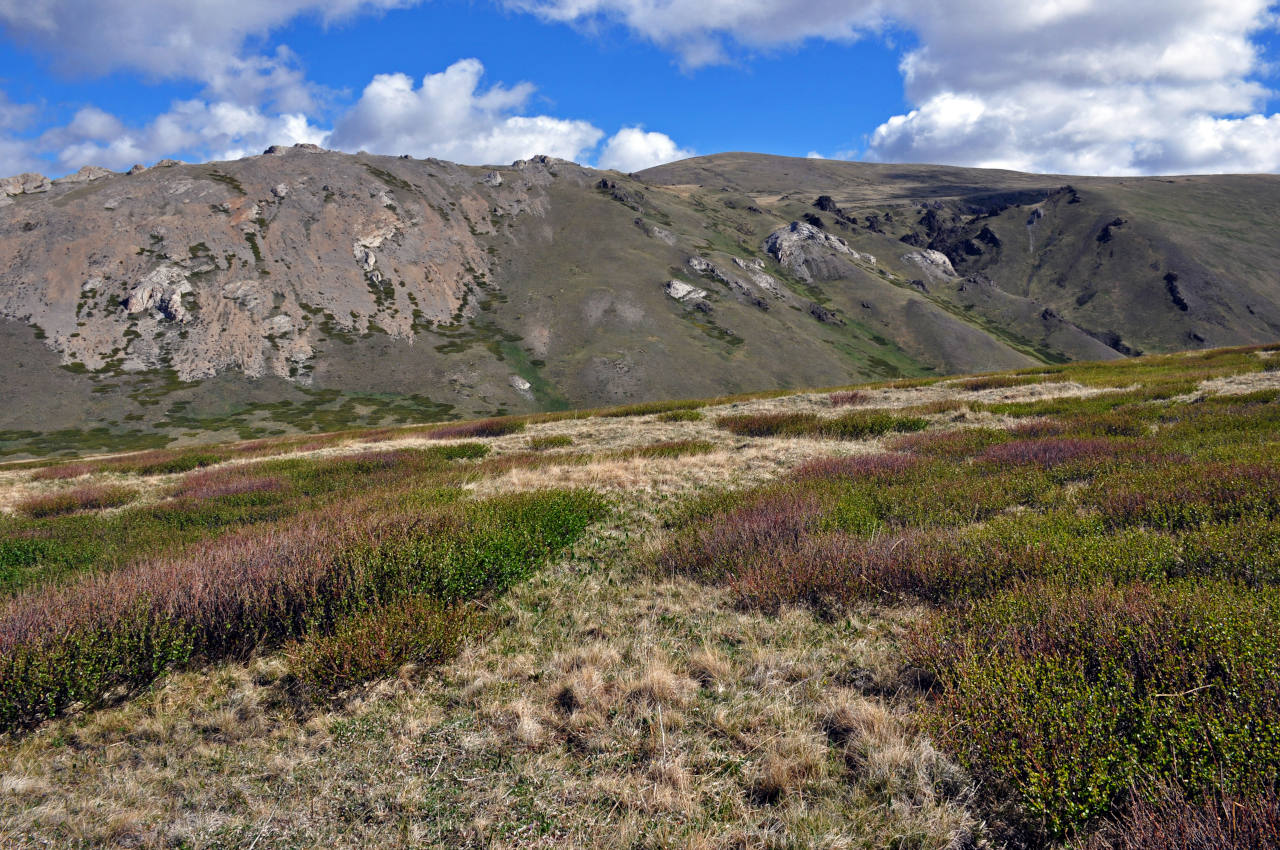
14	116
1087	87
219	130
450	117
203	40
255	95
702	32
17	154
1069	85
634	149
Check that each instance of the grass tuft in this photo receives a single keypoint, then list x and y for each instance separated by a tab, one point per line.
554	441
681	416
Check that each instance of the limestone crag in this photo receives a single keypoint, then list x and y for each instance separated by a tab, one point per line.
682	291
160	290
934	264
25	184
754	269
653	231
85	175
749	291
808	252
247	257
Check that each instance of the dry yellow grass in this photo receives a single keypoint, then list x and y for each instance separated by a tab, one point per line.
1239	384
594	436
613	707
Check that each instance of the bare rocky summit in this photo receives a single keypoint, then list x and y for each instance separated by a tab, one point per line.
313	236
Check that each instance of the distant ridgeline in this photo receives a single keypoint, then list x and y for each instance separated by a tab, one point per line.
304	289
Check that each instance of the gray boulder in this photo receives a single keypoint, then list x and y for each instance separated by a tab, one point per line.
85	175
25	184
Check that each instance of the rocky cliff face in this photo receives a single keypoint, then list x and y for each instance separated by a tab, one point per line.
245	266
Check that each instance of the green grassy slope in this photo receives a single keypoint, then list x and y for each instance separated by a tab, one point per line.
1050	251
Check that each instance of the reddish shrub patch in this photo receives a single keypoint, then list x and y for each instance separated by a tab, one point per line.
847	398
88	497
213	484
480	428
888	465
1186	497
768	424
766	523
1220	822
64	471
1054	452
856	425
69	644
1040	428
952	445
997	382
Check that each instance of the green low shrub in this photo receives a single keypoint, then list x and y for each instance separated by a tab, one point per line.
650	407
1064	699
553	441
377	643
681	416
66	645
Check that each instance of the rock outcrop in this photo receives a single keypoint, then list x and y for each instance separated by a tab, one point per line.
754	269
161	290
682	291
749	291
933	263
653	231
803	249
25	184
246	257
85	175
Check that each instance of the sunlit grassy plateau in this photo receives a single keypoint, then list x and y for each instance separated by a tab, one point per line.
1038	608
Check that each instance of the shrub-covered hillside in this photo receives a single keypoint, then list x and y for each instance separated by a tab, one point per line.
1026	609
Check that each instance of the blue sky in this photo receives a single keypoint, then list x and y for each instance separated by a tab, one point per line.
1076	86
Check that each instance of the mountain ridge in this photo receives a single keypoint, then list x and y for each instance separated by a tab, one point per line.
305	288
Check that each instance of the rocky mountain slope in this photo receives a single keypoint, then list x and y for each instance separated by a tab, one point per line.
307	289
